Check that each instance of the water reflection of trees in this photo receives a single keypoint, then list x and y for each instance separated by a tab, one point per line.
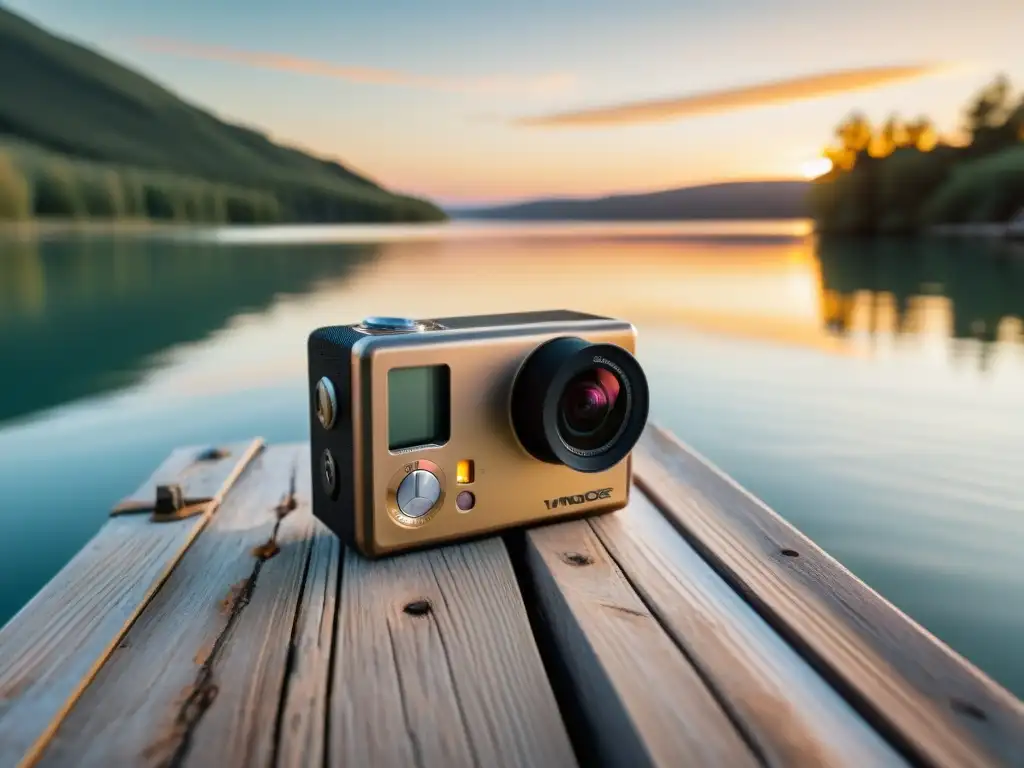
981	281
79	318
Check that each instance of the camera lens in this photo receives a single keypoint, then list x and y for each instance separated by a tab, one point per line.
580	404
591	411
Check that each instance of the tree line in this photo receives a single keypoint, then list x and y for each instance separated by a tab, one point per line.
902	177
37	185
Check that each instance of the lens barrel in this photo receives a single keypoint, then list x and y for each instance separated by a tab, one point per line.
580	404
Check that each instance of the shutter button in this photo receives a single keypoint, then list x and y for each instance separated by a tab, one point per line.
418	493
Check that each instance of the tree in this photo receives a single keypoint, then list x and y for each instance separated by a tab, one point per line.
160	204
15	196
103	195
213	209
240	209
133	192
905	182
854	135
921	134
893	136
990	107
990	188
992	119
116	193
1015	120
266	208
57	193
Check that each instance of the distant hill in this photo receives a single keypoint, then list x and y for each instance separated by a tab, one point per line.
730	200
71	103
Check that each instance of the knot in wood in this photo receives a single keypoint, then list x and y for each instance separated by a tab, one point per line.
969	709
212	454
577	559
418	608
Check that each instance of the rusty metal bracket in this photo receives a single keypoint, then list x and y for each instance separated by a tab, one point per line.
170	504
187	483
169	499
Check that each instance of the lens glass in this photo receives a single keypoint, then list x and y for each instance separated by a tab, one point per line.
592	410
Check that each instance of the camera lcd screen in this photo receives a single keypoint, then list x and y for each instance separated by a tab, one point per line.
418	406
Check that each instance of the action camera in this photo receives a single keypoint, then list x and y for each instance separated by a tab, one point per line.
429	431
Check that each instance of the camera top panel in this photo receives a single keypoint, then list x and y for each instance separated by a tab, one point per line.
515	318
386	326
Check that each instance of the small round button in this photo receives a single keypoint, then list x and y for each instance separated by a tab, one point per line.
326	403
391	324
418	493
329	473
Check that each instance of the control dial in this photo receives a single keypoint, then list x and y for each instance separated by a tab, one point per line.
418	493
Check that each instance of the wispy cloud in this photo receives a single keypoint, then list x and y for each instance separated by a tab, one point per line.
773	92
368	75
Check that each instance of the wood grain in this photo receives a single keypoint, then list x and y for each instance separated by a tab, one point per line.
55	645
791	715
454	681
181	661
252	664
644	702
924	697
303	734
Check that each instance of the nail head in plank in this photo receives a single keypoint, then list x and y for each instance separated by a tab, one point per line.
644	702
52	648
925	697
149	701
436	665
793	716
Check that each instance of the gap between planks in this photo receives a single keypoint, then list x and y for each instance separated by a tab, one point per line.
669	664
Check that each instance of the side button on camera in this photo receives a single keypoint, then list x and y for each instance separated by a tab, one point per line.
326	403
329	473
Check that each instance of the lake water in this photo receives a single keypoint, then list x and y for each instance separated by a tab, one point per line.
872	393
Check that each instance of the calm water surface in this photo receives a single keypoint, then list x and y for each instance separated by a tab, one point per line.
873	394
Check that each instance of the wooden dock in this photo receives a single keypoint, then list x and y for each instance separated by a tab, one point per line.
694	628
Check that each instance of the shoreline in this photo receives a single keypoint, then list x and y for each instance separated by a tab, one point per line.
1012	230
36	227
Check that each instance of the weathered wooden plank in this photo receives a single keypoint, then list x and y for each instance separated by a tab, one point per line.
54	646
303	730
925	698
196	657
644	702
436	665
251	663
788	712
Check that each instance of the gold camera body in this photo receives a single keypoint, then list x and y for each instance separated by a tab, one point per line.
429	431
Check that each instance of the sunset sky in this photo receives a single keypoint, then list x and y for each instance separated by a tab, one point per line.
467	103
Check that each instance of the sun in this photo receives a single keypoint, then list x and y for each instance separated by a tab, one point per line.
812	169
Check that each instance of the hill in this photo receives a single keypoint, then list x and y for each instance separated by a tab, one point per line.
730	200
69	117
